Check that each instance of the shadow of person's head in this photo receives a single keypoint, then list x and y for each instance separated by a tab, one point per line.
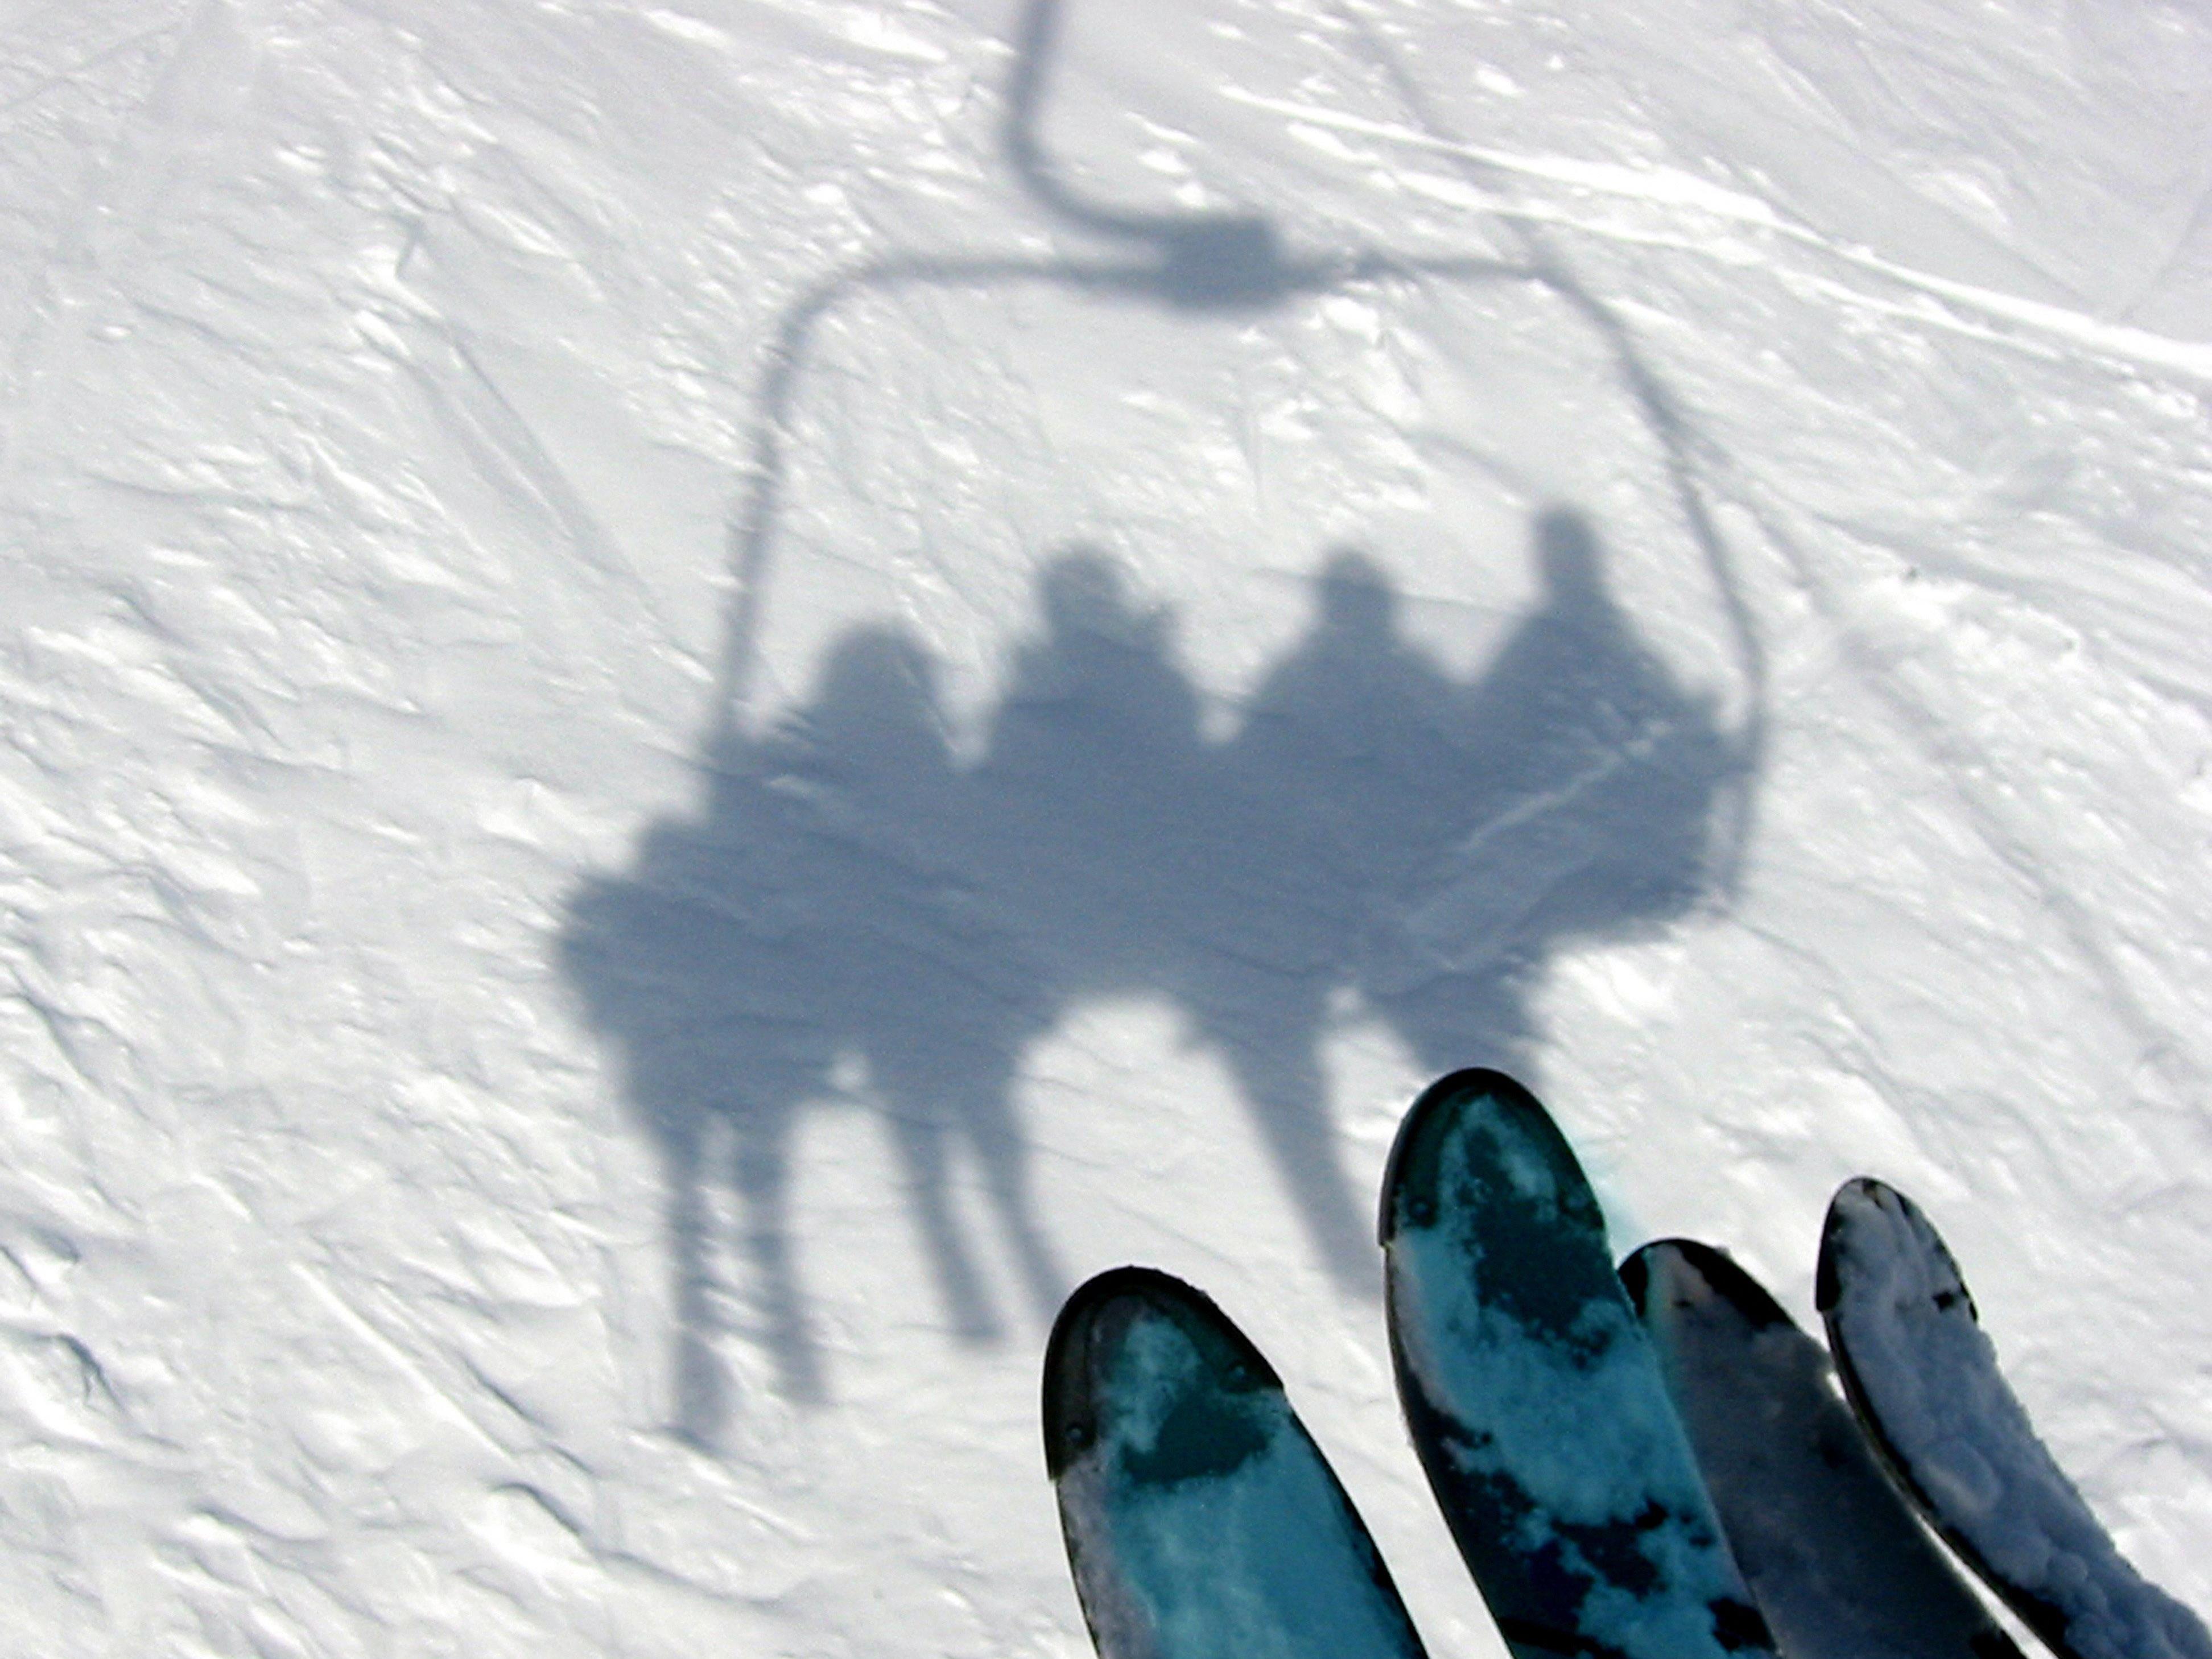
1084	595
1568	558
1355	597
876	699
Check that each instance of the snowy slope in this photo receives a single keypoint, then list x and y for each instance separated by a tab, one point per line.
702	697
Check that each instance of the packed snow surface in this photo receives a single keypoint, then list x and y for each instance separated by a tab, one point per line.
701	696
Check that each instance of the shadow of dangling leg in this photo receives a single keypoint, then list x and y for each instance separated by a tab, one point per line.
1004	1155
762	1177
1279	1073
921	1150
701	1385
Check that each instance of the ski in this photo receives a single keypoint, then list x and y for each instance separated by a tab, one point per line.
1924	1378
1534	1399
1201	1521
1840	1565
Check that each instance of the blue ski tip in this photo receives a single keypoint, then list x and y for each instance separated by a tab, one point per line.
1410	1178
1091	1338
1534	1399
1201	1521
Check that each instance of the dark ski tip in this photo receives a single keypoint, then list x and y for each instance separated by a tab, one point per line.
1409	1177
1863	1202
1661	1265
1087	1338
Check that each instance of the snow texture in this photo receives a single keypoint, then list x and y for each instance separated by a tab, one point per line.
701	696
1534	1399
1927	1380
1840	1565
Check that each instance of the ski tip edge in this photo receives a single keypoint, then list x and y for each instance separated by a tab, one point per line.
1469	1083
1068	1411
1722	1274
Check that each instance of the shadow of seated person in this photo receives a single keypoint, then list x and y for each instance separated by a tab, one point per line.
808	937
1598	779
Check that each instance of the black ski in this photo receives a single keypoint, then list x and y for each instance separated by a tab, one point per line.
1841	1566
1923	1379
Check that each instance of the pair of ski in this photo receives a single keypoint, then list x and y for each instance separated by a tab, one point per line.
1649	1464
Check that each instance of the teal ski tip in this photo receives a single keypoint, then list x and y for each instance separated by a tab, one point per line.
1084	1360
1410	1177
1201	1521
1534	1399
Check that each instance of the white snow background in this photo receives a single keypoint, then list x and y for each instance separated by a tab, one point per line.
568	569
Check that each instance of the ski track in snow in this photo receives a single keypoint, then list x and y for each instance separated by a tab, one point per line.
702	697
